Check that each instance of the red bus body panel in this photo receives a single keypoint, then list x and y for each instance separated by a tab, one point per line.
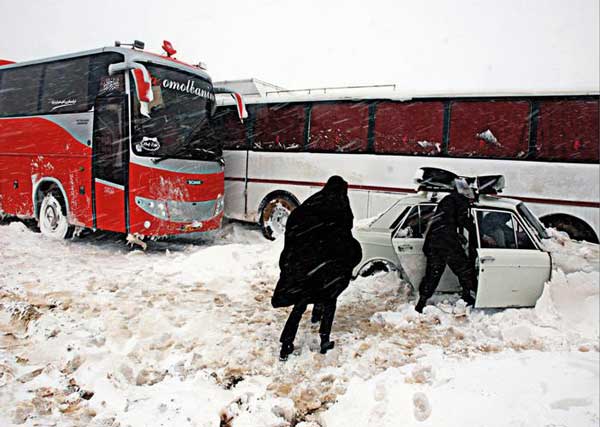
34	149
169	186
113	199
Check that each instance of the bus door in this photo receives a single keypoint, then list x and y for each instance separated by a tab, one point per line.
110	144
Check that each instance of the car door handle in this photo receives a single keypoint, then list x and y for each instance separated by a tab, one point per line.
487	258
405	247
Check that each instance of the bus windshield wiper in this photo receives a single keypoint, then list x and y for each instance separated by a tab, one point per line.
172	155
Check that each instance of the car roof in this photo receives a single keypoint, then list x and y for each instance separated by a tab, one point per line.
485	201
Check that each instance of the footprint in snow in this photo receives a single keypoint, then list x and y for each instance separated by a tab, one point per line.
422	409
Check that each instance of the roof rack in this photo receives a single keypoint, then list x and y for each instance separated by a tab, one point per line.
325	89
441	180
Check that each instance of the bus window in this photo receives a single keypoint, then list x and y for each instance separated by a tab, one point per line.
231	130
496	129
20	91
60	95
409	127
279	127
100	83
568	131
340	127
109	141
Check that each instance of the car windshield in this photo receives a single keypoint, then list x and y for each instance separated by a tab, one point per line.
179	125
532	221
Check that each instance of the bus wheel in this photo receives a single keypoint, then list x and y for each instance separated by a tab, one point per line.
53	219
574	227
274	215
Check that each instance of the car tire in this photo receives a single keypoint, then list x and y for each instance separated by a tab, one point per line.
274	215
53	221
574	227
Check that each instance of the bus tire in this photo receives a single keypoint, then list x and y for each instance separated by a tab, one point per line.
274	212
53	220
576	228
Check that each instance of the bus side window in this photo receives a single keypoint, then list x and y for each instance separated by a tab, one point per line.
490	128
19	93
409	128
230	130
100	83
109	140
568	130
66	86
279	127
340	127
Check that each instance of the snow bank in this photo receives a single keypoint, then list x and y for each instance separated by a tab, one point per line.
92	333
501	390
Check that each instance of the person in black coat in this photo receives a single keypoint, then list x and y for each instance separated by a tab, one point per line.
443	245
317	260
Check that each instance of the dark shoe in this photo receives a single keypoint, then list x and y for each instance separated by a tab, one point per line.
420	305
286	350
468	299
326	344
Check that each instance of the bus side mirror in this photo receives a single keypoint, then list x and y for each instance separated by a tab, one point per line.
239	102
142	80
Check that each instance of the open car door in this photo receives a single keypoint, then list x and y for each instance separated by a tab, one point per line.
408	239
512	269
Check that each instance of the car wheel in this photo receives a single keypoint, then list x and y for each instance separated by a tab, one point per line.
53	219
575	228
274	216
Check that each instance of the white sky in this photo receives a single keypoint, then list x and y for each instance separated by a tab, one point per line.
422	45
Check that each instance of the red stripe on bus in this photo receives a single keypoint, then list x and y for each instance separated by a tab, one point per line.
411	190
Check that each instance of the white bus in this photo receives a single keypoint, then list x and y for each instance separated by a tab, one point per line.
546	145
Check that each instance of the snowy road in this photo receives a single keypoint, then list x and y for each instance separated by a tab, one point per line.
95	334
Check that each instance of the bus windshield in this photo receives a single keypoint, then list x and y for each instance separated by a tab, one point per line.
179	124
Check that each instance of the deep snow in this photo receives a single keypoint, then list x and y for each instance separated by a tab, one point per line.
183	334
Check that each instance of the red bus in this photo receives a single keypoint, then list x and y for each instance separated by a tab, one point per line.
114	139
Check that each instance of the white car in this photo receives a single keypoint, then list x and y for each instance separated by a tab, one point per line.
511	263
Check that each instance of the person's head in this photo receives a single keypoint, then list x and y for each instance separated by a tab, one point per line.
462	187
336	184
495	219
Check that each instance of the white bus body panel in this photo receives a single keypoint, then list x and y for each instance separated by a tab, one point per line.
547	187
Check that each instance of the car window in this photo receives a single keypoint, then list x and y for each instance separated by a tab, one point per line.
397	220
496	230
416	222
523	239
532	220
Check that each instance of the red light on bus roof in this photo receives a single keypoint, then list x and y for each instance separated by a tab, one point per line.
168	48
5	62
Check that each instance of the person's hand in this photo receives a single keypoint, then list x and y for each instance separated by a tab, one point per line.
462	239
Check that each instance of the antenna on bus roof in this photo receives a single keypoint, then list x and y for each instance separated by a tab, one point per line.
137	44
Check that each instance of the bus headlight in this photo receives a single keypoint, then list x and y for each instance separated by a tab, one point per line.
219	205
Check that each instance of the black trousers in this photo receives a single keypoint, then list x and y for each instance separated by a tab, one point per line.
460	265
327	311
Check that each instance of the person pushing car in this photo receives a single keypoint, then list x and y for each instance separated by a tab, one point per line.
444	244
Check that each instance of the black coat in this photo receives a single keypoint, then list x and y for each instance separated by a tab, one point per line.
319	251
450	218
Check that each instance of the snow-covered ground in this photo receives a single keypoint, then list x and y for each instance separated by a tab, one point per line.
92	333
